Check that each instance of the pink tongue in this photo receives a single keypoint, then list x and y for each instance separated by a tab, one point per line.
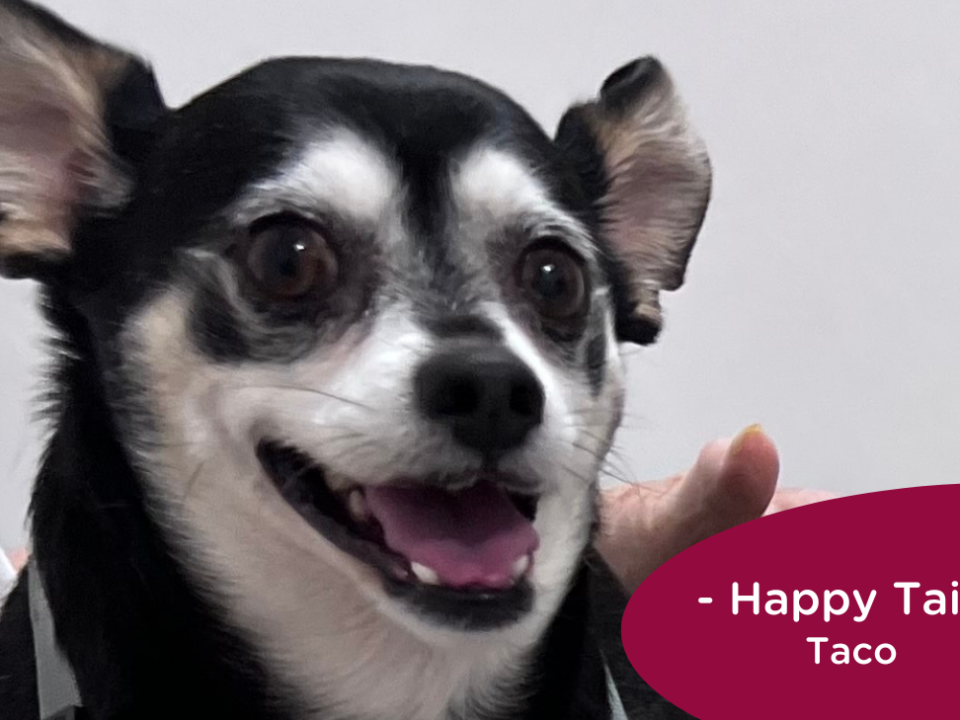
472	537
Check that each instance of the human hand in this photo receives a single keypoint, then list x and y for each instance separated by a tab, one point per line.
644	525
18	558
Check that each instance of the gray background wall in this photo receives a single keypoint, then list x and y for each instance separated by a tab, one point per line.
822	298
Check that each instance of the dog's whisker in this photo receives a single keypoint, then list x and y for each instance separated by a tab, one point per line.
605	466
619	472
588	431
616	459
616	478
194	476
161	445
305	390
589	451
576	473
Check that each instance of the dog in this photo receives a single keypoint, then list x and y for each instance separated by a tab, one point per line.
336	367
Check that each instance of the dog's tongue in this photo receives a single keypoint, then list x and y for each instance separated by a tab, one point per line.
469	538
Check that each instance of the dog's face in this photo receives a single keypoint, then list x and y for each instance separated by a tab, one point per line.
358	325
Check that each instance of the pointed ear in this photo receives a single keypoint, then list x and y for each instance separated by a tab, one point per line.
650	177
61	110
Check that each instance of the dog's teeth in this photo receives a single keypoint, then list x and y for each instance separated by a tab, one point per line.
520	566
426	575
357	505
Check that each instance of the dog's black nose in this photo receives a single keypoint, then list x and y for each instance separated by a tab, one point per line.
485	394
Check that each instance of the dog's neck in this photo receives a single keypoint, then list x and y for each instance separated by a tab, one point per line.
143	642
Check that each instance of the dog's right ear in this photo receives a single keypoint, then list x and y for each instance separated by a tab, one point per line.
73	112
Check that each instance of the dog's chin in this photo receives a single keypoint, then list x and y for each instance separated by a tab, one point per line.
456	551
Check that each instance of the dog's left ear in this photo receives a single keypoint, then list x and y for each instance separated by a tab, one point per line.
650	176
73	112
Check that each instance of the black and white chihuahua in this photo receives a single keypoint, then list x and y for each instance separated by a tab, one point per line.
336	369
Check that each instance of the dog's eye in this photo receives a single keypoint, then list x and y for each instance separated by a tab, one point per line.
553	279
289	258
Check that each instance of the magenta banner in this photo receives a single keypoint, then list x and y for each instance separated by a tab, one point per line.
844	609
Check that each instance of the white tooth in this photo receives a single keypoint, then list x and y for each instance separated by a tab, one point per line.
357	505
520	566
337	483
424	574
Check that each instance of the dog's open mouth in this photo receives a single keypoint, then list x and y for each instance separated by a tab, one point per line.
464	554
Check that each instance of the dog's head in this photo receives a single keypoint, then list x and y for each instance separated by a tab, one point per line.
358	323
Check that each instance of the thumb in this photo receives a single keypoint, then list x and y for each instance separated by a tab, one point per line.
732	482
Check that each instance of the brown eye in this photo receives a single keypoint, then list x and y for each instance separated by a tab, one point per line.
288	259
553	279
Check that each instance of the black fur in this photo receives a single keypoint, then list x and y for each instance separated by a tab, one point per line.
579	146
140	640
624	87
144	643
596	362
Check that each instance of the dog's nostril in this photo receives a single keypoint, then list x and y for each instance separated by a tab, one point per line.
460	396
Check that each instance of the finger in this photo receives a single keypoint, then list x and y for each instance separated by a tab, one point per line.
19	559
732	482
646	525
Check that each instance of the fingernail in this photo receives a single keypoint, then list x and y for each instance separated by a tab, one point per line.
737	445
